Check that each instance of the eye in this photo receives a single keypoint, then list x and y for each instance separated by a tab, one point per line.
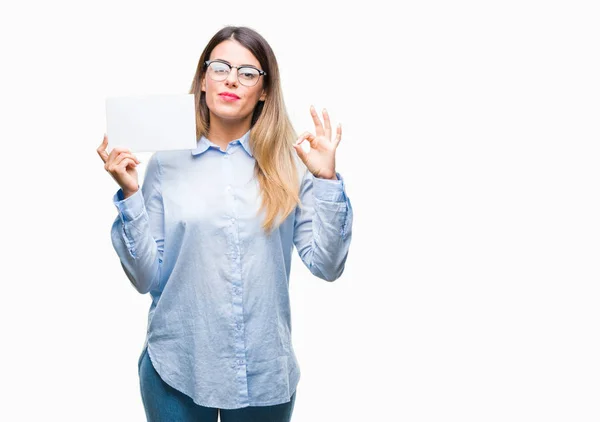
248	73
219	68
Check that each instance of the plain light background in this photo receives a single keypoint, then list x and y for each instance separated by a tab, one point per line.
471	155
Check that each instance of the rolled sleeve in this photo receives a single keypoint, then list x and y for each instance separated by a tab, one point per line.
138	231
323	226
130	208
329	190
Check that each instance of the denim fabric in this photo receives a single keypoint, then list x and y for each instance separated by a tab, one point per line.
164	403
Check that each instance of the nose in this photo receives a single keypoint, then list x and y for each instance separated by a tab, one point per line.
232	78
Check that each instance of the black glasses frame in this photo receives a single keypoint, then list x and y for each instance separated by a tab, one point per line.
260	72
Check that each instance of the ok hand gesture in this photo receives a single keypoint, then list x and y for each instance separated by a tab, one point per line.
320	160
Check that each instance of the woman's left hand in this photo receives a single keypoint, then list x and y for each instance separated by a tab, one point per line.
320	160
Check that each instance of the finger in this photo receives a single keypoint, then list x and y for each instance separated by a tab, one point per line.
113	164
302	137
306	136
116	151
338	135
318	125
301	153
312	139
327	125
127	162
121	167
124	155
102	149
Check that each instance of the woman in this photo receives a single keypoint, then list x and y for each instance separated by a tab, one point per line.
210	236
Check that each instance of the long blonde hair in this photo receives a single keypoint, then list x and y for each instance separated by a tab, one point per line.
271	135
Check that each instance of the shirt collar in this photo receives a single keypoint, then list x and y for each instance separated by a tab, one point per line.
204	144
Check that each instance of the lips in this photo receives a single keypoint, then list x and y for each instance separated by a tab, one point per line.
229	95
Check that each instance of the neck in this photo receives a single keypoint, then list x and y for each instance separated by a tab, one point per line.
222	132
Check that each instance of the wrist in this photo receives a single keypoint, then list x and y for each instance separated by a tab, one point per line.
127	193
334	177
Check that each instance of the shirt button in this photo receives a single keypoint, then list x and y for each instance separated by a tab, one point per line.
233	220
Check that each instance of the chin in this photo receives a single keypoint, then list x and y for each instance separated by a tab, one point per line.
229	113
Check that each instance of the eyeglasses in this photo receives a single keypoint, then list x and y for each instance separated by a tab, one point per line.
219	71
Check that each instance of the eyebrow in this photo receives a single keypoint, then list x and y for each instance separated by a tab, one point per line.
241	65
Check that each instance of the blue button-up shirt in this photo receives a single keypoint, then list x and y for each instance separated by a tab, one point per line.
219	326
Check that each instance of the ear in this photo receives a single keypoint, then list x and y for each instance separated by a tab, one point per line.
203	84
263	96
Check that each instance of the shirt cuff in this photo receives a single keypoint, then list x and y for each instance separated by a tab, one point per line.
130	208
329	190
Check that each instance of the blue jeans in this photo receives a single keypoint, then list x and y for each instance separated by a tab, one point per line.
163	403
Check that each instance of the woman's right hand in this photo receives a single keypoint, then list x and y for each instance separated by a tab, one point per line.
121	164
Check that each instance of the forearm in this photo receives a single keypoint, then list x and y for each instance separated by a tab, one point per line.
324	231
140	253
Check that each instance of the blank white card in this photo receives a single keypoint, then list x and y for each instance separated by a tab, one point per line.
148	123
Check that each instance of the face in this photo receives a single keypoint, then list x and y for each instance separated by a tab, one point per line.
229	99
